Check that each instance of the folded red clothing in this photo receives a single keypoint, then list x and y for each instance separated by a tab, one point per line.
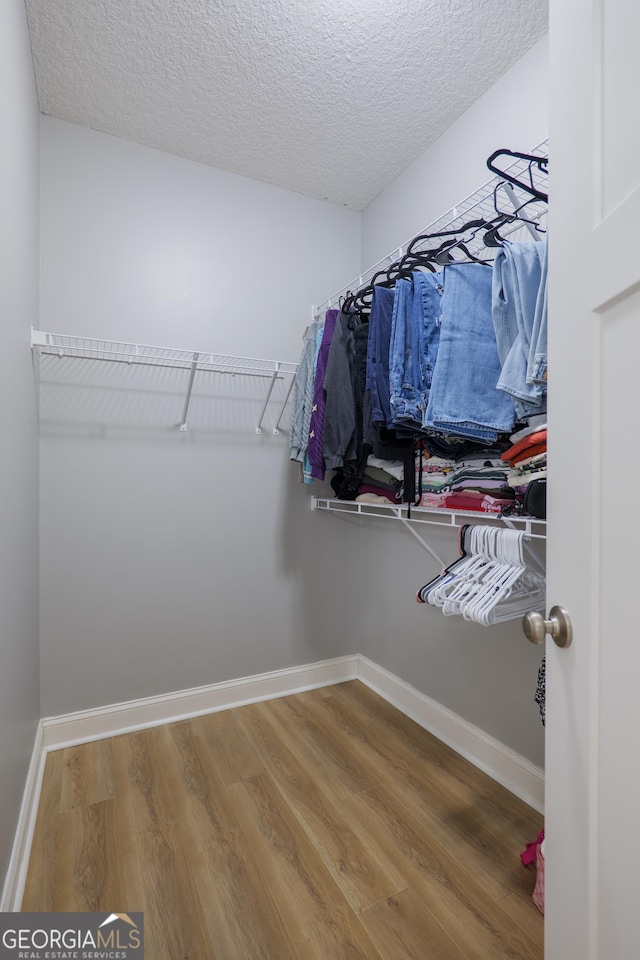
538	439
379	491
476	501
529	452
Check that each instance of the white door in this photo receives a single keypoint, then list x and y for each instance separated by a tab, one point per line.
593	692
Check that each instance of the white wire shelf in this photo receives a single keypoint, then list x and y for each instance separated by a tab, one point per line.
52	345
435	516
478	205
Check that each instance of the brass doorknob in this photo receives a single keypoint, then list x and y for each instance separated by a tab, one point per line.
535	627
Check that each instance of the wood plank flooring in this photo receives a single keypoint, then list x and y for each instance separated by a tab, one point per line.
322	826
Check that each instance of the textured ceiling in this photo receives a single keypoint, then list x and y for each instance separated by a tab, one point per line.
330	98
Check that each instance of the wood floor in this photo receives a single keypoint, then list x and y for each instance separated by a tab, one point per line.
322	826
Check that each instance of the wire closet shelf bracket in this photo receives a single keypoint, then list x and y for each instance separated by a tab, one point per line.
52	344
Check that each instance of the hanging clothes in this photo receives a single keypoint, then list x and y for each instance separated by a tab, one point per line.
541	690
377	365
306	466
340	418
463	398
519	308
303	395
350	355
453	358
413	348
318	408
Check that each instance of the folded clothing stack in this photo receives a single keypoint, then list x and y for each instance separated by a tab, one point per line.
468	500
381	482
475	481
433	474
527	458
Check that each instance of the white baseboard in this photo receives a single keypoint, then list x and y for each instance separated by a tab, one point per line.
509	768
16	877
115	719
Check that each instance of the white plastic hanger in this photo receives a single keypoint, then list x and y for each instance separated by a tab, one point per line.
492	583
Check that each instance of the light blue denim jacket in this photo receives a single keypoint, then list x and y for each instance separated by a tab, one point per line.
519	310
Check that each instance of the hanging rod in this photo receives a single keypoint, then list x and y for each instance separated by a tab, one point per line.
59	345
478	205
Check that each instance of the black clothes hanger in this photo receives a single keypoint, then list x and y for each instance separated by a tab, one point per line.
514	212
541	163
444	256
403	268
423	592
462	237
434	258
429	259
470	225
358	303
351	307
415	261
361	302
492	238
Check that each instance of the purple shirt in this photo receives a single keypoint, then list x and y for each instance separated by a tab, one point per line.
316	425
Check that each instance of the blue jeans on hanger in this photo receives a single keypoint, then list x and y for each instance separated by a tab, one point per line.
378	354
464	399
415	332
519	307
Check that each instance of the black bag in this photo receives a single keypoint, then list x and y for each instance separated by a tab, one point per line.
535	500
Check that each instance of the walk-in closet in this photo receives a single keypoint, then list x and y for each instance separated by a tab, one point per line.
381	715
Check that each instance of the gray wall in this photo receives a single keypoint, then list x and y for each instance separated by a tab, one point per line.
169	559
19	707
485	675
